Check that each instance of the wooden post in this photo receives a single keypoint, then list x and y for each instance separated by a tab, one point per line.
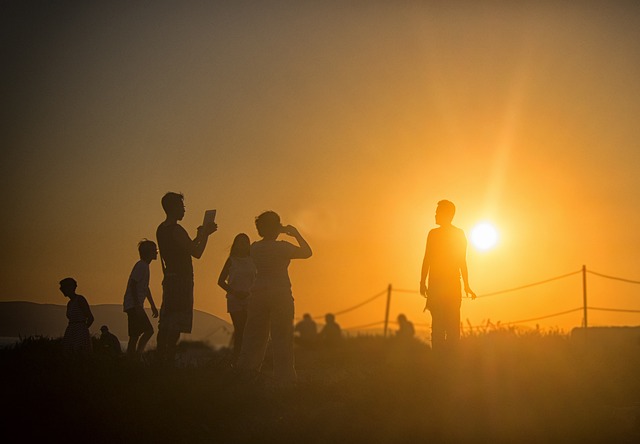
386	314
584	296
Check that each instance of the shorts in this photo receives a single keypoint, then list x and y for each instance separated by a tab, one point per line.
444	295
138	321
176	313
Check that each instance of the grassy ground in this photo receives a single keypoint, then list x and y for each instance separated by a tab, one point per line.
502	387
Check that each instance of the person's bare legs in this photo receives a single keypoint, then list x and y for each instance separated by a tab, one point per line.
239	320
131	345
255	337
142	342
284	371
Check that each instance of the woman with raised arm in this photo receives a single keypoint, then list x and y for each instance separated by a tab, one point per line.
271	309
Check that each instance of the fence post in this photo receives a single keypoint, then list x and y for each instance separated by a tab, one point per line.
386	314
584	295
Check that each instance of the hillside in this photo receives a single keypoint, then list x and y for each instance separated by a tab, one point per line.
22	319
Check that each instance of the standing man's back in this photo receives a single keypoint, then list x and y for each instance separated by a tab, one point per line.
446	252
444	264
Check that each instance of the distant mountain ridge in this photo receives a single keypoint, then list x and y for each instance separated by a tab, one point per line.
23	319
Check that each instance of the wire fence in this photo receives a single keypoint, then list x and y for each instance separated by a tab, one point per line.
613	277
584	308
355	307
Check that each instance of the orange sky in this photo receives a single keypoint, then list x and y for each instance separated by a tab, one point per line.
351	122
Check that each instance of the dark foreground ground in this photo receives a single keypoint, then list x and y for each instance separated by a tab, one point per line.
501	388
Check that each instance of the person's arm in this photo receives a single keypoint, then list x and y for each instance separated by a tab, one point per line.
154	309
425	270
84	306
196	246
465	278
224	275
303	251
464	271
222	282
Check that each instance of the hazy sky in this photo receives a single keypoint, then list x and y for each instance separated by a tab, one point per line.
351	120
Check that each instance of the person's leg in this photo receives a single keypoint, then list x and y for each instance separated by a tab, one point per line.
239	319
453	329
451	321
145	328
256	335
437	329
284	371
133	333
173	336
131	345
162	339
142	343
453	316
178	313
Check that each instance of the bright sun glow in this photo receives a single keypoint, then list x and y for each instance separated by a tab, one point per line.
484	236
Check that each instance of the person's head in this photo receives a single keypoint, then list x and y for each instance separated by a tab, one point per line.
68	286
330	318
445	212
268	225
240	246
402	319
148	250
307	317
173	205
104	329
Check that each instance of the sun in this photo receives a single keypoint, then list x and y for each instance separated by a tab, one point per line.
484	236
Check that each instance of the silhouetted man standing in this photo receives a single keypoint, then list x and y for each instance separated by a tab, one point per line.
445	261
176	250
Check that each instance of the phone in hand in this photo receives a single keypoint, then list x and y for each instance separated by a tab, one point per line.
209	218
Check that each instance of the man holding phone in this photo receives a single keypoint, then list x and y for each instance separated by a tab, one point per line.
176	250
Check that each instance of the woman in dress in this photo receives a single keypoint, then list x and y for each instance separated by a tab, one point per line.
236	278
76	340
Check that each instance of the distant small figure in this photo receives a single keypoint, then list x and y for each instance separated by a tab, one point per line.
307	332
445	262
76	340
405	328
331	333
139	326
109	343
236	278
